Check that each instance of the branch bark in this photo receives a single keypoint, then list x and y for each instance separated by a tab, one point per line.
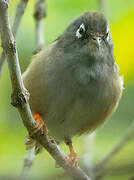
18	16
20	96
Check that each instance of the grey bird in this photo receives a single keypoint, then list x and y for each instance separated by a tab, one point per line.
74	83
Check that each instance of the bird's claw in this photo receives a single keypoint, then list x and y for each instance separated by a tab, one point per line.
40	124
72	159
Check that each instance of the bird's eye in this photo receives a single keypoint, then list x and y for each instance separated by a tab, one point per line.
80	31
106	36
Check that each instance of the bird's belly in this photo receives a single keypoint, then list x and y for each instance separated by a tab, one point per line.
84	114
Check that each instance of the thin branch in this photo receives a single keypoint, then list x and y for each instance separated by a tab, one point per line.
39	14
20	96
87	158
116	170
28	161
18	16
102	6
2	62
128	135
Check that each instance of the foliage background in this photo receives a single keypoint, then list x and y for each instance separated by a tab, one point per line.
60	12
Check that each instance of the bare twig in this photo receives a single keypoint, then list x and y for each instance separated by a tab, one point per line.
18	16
129	135
28	161
116	170
103	6
39	14
20	96
87	159
2	62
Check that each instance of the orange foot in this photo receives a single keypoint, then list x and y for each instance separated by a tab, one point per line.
40	124
72	157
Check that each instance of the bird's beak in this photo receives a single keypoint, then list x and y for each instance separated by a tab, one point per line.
96	41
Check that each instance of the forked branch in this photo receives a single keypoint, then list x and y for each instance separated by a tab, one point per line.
18	16
20	96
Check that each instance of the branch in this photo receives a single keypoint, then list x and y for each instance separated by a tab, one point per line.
87	157
39	14
103	6
2	62
116	170
129	135
20	96
18	16
28	161
19	13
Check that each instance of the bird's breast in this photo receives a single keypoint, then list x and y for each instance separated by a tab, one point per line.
99	97
85	101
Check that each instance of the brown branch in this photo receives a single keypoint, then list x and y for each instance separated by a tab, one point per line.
18	16
20	96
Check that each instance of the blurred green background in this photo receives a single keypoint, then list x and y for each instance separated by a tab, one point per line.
12	132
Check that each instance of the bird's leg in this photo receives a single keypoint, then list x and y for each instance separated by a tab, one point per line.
72	157
40	124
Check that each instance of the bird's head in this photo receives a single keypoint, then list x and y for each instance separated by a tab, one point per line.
88	33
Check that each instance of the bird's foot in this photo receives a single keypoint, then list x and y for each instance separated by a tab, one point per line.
70	160
72	157
29	142
40	124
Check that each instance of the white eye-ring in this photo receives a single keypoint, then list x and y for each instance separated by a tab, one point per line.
108	36
80	30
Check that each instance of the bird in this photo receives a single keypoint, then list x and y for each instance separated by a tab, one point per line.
74	82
